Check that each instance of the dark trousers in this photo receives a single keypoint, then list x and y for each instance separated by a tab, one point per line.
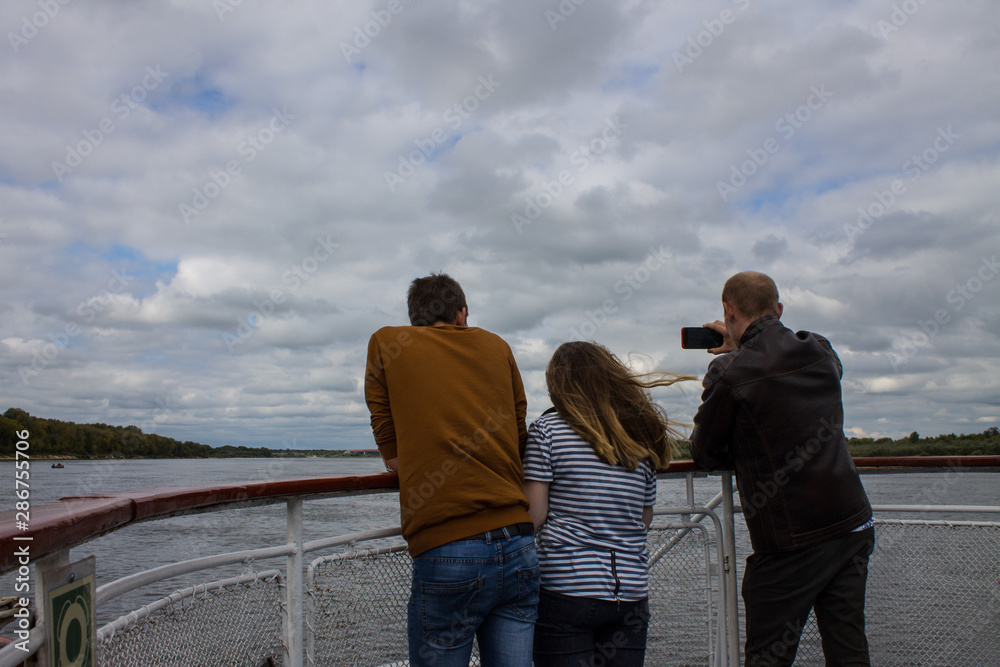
780	588
585	632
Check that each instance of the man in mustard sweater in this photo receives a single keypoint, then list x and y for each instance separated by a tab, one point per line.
448	414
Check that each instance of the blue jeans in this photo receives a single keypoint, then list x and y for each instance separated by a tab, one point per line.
477	587
585	632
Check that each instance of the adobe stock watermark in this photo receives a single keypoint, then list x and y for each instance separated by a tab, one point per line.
455	116
929	494
37	21
97	476
220	179
363	35
581	158
909	345
701	40
626	288
636	620
86	309
915	168
786	126
775	653
223	7
294	277
565	9
463	626
388	353
899	17
121	108
132	435
795	460
424	489
277	468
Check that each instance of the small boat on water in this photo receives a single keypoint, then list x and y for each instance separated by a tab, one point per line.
58	465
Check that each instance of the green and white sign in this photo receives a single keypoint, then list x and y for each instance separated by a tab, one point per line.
69	614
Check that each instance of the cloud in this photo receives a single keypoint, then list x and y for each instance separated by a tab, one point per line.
205	214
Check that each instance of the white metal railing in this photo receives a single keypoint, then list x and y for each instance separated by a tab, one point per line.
722	649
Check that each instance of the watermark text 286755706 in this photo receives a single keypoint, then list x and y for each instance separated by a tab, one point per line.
22	516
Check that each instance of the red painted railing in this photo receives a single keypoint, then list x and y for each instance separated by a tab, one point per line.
76	519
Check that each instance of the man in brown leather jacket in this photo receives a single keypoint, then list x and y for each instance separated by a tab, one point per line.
772	410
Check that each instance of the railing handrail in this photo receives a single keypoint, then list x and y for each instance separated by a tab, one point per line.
75	520
882	463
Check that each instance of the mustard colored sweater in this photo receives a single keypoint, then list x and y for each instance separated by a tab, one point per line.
448	402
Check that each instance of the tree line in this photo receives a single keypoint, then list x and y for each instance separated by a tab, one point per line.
972	444
53	438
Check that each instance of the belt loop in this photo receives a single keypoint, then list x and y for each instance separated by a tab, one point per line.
506	532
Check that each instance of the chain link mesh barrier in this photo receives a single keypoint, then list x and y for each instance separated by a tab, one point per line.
683	595
356	611
236	623
933	599
933	596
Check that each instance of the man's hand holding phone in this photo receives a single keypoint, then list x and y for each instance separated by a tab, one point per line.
728	345
711	337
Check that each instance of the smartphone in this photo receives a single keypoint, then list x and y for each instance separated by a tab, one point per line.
700	338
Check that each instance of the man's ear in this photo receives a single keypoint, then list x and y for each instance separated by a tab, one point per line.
462	318
781	309
729	311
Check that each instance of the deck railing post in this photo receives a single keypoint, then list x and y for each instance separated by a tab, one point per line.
294	598
689	489
729	568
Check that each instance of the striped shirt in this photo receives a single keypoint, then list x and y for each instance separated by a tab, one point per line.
593	542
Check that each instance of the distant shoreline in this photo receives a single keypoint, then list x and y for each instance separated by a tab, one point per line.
311	454
54	440
865	451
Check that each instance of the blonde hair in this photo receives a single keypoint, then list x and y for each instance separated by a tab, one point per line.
609	406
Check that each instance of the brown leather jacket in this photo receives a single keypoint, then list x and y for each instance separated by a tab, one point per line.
772	410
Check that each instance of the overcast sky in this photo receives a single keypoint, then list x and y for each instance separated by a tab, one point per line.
207	207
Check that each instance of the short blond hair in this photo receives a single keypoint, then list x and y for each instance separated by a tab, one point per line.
752	294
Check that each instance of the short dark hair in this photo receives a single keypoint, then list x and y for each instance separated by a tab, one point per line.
435	298
752	294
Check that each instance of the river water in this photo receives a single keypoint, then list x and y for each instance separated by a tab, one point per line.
147	545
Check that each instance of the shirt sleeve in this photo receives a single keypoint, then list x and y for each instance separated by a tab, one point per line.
650	498
377	398
520	406
538	454
712	433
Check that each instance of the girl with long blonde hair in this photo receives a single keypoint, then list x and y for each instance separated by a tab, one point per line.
590	476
